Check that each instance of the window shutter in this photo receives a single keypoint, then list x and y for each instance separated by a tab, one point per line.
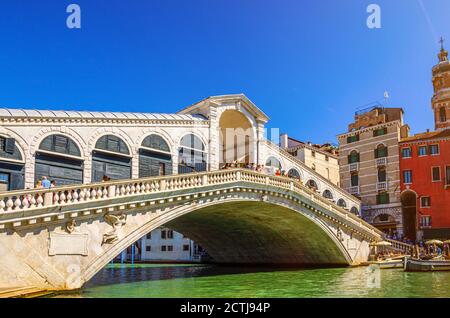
10	145
17	181
376	153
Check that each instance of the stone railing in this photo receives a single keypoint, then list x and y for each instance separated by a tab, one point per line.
24	202
301	164
400	246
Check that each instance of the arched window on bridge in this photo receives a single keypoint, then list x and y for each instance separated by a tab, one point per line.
273	164
111	158
354	210
191	155
327	194
293	173
341	203
155	157
12	165
59	158
312	185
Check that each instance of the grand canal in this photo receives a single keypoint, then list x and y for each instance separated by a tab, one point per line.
191	281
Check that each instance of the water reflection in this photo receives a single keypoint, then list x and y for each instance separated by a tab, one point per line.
214	281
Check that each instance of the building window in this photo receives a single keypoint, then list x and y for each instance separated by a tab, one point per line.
169	234
354	180
353	157
313	167
313	153
148	248
447	175
327	158
407	176
351	139
170	248
383	198
425	202
381	151
425	221
380	132
149	236
381	175
442	115
163	248
422	150
436	174
185	247
434	149
163	234
406	153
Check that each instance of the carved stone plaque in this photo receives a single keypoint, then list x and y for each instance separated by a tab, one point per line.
68	244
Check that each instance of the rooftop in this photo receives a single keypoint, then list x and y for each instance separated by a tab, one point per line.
36	113
428	135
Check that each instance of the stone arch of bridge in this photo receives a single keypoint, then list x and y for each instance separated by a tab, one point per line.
243	232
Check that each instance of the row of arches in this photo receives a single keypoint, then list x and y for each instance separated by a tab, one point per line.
59	158
312	184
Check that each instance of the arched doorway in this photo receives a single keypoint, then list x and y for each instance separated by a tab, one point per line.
341	203
12	165
409	212
312	185
191	155
327	194
236	135
155	158
354	210
111	158
293	173
59	159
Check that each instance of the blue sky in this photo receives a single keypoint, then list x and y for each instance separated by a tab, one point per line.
307	64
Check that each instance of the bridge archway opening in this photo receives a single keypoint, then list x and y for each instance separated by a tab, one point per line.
59	158
294	174
191	155
237	140
327	194
12	165
341	203
155	157
312	185
409	212
274	164
250	232
111	158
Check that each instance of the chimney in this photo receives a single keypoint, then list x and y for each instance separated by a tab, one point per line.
284	143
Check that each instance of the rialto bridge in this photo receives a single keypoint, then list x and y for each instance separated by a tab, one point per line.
164	170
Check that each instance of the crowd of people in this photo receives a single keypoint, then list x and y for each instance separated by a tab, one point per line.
258	168
45	183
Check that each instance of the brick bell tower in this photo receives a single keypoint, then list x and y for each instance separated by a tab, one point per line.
441	83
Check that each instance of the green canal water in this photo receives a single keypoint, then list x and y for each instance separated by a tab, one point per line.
193	281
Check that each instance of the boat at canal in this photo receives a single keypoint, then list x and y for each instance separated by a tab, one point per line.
389	263
431	265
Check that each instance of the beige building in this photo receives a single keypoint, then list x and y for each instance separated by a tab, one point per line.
321	158
369	164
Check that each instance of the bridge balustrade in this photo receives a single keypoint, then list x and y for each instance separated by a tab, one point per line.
35	199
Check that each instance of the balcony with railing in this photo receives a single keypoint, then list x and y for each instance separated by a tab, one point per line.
382	162
354	167
382	186
354	190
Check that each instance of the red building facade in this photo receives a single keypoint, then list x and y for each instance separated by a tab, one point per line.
425	166
425	185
